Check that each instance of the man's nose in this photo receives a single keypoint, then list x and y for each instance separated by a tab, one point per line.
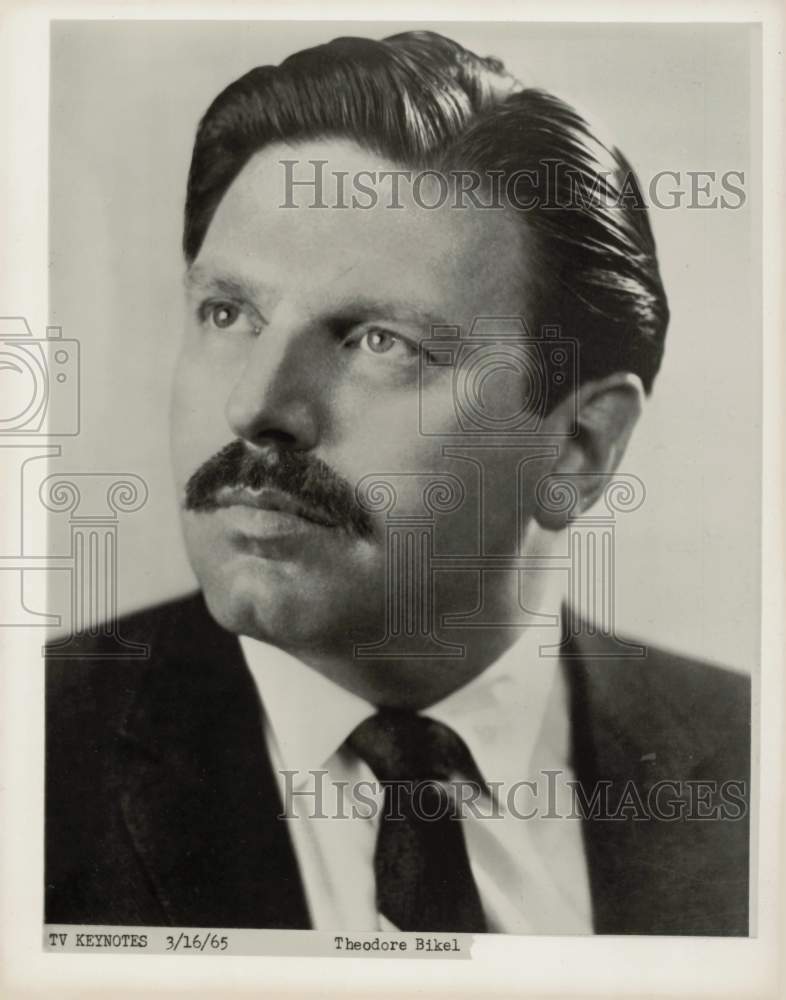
276	399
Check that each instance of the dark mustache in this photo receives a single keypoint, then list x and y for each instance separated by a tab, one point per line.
304	477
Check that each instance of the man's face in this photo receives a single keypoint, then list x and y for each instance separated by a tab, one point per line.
302	346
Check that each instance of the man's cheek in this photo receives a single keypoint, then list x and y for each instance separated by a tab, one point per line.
386	440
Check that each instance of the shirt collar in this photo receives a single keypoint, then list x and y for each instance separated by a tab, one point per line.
310	716
500	714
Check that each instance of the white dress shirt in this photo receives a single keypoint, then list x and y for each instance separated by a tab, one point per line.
531	873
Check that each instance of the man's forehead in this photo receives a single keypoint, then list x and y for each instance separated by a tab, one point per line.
331	170
333	185
261	234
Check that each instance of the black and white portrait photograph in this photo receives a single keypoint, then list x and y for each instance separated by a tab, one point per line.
386	478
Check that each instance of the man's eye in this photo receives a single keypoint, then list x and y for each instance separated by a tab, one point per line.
222	314
382	342
225	316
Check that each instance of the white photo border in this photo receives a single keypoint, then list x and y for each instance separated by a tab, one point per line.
537	966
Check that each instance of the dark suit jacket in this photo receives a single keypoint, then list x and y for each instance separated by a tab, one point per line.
162	806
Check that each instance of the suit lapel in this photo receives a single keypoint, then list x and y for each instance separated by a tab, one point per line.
199	795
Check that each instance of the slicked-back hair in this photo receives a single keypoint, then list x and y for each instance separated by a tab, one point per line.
424	102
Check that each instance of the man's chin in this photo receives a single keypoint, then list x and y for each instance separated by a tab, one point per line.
273	605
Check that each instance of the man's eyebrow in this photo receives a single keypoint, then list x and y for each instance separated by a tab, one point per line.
363	309
197	277
357	309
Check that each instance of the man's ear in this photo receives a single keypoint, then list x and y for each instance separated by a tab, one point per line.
604	414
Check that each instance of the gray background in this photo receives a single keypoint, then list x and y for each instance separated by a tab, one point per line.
126	97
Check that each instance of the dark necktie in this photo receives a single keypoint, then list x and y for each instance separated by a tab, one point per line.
423	876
